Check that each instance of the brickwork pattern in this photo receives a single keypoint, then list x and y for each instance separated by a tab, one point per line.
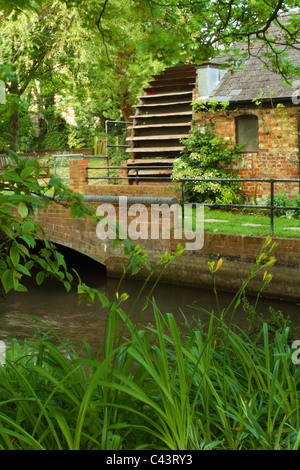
238	252
278	155
79	182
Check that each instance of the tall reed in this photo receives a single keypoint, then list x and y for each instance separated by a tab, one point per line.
155	387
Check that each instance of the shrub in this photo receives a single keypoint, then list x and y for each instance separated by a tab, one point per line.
207	155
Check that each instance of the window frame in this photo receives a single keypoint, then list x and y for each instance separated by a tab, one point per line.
240	119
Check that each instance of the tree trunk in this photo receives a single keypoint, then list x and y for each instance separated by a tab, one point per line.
126	109
14	118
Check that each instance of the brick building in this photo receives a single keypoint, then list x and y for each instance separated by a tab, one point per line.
263	115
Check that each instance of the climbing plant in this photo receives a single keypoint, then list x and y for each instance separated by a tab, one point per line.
207	155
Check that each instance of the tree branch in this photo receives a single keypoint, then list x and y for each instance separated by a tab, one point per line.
101	14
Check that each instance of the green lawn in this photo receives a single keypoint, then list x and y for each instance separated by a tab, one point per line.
248	223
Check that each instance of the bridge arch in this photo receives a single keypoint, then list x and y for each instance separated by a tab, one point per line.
78	242
80	261
191	268
79	234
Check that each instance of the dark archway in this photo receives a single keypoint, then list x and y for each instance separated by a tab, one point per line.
89	270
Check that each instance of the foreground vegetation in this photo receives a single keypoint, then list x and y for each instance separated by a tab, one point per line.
155	387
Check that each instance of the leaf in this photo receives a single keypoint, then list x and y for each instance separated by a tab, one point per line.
67	286
28	226
103	299
13	155
29	240
26	172
21	288
14	255
23	269
40	278
23	209
7	280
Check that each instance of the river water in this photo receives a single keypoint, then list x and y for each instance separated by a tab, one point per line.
70	321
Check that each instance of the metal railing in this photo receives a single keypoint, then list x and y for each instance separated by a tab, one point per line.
271	207
137	177
108	123
71	155
106	157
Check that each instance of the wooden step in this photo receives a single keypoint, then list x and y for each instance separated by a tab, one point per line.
154	149
175	74
173	82
150	161
158	137
163	95
153	126
153	105
143	116
160	88
159	171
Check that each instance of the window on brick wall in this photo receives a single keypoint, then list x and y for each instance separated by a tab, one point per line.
247	132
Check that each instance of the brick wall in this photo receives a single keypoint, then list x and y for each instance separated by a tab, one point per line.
278	155
238	252
80	183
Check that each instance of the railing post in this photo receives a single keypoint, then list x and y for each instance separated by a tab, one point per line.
137	176
272	207
183	197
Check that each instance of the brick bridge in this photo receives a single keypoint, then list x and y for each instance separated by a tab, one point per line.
238	252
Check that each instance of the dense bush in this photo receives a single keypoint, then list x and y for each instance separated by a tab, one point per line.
207	155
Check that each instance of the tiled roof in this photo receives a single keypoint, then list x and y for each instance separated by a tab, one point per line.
247	82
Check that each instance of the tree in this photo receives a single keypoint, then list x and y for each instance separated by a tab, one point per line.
101	53
55	50
31	49
121	53
201	27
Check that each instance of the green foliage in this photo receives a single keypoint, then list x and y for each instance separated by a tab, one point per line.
207	155
213	106
20	194
20	5
281	199
96	57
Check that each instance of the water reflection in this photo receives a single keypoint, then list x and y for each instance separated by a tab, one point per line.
60	310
